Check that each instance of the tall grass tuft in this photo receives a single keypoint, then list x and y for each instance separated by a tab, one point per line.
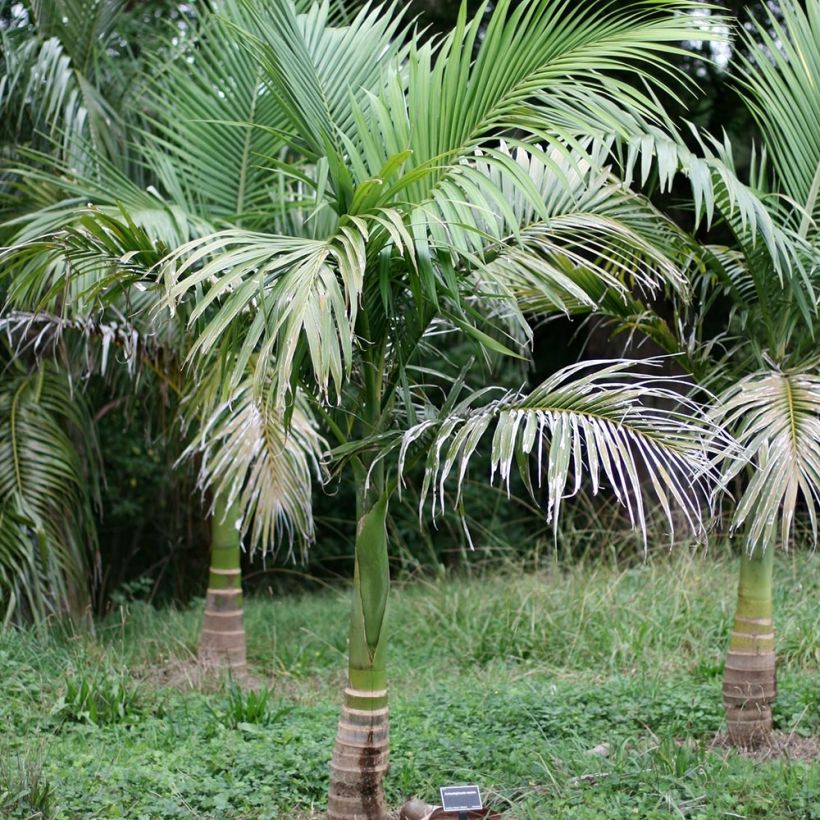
99	698
24	789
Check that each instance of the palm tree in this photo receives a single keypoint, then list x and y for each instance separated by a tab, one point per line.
259	478
404	217
771	398
763	364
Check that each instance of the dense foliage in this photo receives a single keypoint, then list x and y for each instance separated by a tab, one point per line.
127	36
291	281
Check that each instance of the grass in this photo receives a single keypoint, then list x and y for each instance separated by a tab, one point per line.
587	691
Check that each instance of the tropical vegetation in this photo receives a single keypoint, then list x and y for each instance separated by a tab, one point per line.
751	337
335	238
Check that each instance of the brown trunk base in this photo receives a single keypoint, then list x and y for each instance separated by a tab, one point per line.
360	761
749	727
222	640
749	689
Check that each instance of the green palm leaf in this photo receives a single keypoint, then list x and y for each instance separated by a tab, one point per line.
249	458
47	485
544	61
775	417
213	127
782	82
592	240
717	188
316	69
605	425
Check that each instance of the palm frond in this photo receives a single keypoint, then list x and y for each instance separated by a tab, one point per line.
717	188
87	258
47	485
600	420
303	295
542	68
56	77
214	128
775	417
316	70
781	80
250	458
95	341
591	239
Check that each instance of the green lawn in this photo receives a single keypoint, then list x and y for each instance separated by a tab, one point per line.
507	680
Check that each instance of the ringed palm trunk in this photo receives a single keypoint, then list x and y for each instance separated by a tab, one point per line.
360	756
222	641
749	683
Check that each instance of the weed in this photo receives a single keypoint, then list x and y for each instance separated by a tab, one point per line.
249	707
98	698
25	791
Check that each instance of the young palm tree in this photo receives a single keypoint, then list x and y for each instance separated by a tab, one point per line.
772	399
60	283
261	479
763	365
403	216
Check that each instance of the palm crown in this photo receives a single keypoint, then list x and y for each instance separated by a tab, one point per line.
406	209
763	364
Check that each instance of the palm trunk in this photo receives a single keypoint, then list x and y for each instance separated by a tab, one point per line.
222	641
749	684
360	757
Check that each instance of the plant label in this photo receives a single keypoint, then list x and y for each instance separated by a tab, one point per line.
460	798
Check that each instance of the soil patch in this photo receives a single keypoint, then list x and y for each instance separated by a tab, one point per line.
194	674
781	745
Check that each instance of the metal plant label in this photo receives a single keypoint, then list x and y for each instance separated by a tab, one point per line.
460	798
